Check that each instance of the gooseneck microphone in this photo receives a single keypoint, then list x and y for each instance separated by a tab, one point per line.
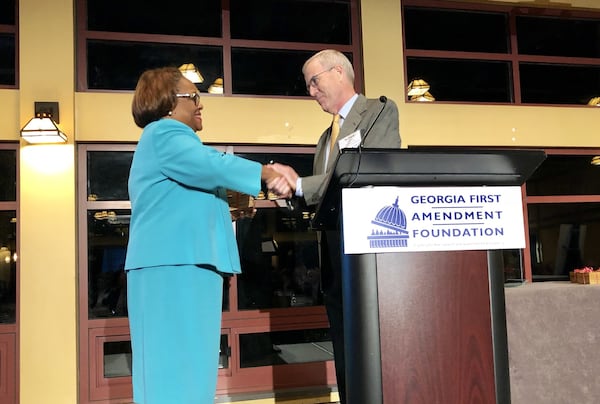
383	99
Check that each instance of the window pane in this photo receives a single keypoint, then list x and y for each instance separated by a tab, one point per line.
8	266
565	175
283	347
455	30
278	250
7	59
513	266
463	80
224	352
563	237
558	84
8	178
7	12
287	20
108	173
108	233
268	72
117	359
558	37
194	18
118	65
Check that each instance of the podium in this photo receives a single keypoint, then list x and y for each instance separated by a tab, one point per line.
424	327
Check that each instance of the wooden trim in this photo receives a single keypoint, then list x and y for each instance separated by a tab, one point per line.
8	364
104	388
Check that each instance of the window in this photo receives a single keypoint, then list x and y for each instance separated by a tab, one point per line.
8	44
8	235
563	211
502	54
272	312
256	48
9	262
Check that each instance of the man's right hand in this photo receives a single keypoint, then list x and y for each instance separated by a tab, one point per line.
287	172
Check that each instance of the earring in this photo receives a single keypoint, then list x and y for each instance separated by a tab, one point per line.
170	113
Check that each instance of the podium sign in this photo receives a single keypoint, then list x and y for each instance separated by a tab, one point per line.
413	219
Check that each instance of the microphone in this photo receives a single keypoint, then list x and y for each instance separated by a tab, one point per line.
383	99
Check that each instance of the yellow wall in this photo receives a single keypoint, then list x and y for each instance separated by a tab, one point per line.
48	306
48	309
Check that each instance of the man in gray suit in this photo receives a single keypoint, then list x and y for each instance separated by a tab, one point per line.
329	78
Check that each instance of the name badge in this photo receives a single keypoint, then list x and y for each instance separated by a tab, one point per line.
350	141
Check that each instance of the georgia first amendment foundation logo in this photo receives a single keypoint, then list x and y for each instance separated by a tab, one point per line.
390	230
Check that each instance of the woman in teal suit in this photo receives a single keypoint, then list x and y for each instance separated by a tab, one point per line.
181	241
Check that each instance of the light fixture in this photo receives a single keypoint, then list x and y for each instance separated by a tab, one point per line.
43	127
190	72
594	102
595	161
417	87
216	87
425	97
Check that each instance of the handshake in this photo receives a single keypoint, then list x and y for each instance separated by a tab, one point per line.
280	179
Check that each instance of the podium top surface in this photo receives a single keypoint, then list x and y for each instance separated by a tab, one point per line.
426	167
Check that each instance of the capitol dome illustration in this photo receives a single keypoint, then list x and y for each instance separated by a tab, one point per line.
391	228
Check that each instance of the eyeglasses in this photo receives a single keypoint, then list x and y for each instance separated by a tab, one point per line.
192	96
314	80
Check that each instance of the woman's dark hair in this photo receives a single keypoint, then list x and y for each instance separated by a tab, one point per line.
154	95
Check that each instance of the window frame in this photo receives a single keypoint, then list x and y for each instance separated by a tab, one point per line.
14	30
94	387
9	333
226	42
512	56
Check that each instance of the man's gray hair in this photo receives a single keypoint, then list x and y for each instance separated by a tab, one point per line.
329	58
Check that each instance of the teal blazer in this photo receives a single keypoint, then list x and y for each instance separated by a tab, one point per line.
179	209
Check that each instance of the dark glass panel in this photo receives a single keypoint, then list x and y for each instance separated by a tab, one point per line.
117	65
302	163
565	175
558	84
513	266
279	257
7	12
107	175
108	233
563	237
463	80
268	72
8	266
558	37
194	18
278	250
455	30
284	347
288	20
224	352
8	178
7	60
117	359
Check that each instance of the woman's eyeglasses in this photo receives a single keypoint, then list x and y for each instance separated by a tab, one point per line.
192	96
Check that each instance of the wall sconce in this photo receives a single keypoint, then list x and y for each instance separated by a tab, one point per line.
426	97
216	87
43	128
594	102
417	87
190	72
